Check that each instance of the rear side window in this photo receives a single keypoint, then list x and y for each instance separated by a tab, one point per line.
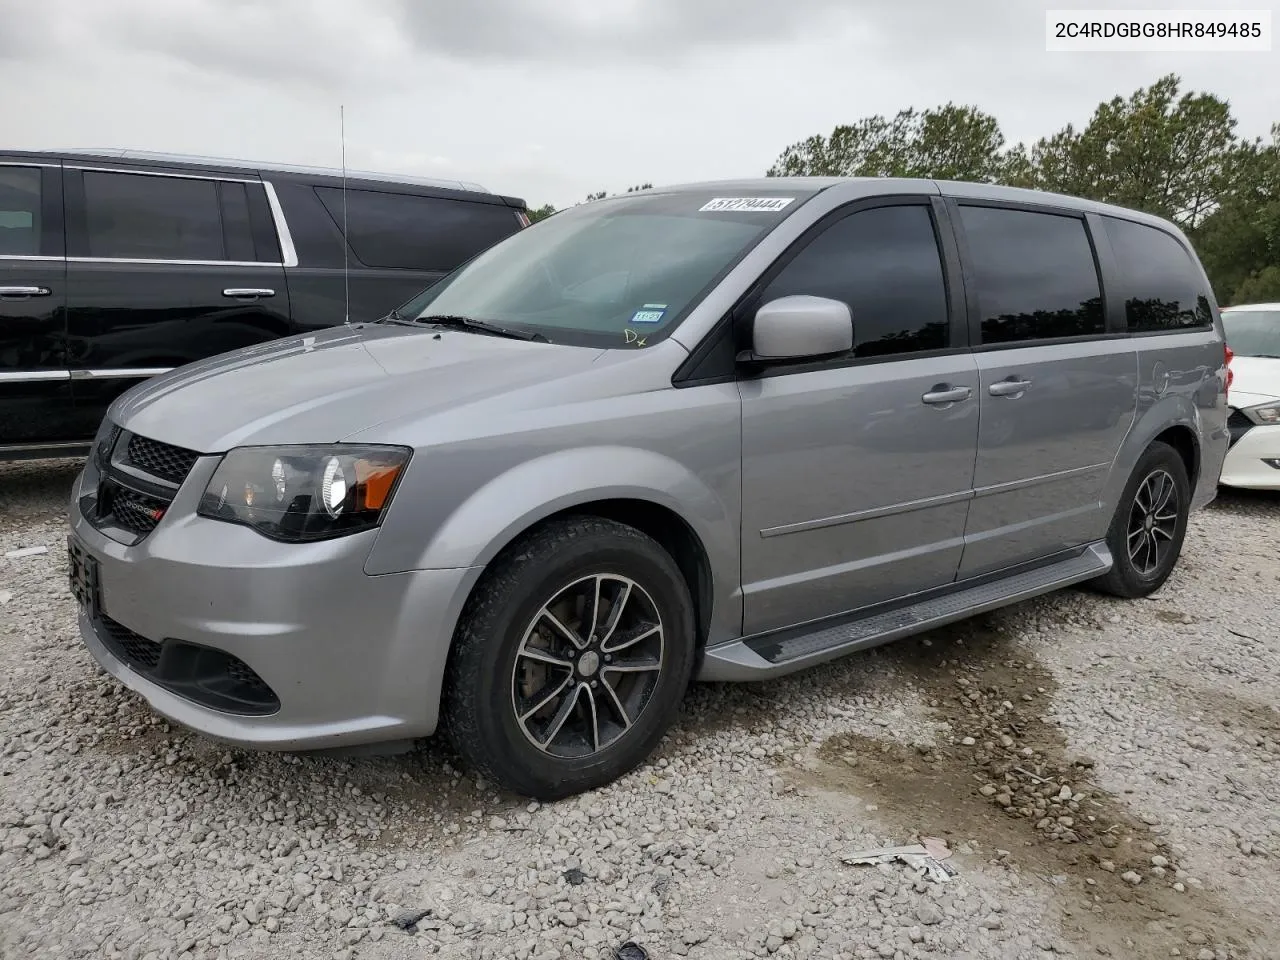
136	216
885	264
19	211
403	231
1035	274
1163	290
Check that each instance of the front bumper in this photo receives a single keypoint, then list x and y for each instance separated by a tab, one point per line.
1246	464
349	659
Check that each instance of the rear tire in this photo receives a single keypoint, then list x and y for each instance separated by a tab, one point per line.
570	660
1150	522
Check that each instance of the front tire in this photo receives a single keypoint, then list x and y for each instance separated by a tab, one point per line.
1149	525
571	658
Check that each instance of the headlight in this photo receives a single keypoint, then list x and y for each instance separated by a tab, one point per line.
1264	413
301	494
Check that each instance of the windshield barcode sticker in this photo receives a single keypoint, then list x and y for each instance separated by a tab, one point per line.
758	204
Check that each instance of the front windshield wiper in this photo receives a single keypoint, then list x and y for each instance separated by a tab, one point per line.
392	317
482	326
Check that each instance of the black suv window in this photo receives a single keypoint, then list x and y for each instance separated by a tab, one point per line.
885	264
19	211
1163	288
1035	274
409	232
136	216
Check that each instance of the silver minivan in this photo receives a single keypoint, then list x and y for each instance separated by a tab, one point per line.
722	431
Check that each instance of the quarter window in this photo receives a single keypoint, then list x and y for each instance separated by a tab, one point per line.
19	211
1035	274
1162	288
134	216
884	263
405	231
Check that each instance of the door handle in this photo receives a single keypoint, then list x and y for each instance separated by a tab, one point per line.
24	291
945	394
247	293
1009	388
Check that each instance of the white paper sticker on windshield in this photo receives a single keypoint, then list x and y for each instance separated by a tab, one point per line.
758	204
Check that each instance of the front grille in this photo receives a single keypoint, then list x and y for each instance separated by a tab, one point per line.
243	674
204	675
141	654
138	479
1238	425
161	460
136	512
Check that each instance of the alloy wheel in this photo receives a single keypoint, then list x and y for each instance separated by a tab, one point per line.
587	666
1153	522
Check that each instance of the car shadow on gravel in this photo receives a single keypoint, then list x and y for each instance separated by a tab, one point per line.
1235	500
31	488
1005	779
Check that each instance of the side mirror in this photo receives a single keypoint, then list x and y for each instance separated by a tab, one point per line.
800	327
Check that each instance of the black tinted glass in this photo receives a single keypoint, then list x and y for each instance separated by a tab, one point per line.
1163	288
19	211
152	218
884	263
417	233
1035	275
236	232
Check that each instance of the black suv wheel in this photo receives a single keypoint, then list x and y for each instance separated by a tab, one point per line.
1150	522
571	658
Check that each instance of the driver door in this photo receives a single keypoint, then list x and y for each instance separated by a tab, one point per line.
857	473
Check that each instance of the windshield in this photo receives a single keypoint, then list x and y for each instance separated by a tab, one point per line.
1252	333
621	272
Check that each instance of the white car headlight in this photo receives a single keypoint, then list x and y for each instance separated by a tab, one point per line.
1263	413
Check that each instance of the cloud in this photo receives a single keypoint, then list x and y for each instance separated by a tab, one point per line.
550	99
600	32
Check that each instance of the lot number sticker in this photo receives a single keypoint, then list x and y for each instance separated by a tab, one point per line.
757	204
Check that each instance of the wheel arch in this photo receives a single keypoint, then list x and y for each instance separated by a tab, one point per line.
1174	421
664	525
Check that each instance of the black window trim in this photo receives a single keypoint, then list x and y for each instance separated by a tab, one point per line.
77	229
711	363
1101	259
52	242
1100	231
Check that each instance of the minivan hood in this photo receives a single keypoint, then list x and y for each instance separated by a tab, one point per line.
327	386
1256	377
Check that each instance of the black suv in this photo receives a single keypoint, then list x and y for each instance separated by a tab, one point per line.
119	265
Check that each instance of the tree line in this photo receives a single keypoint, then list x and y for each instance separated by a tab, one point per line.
1174	154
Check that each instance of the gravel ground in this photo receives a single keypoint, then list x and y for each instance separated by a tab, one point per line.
1103	771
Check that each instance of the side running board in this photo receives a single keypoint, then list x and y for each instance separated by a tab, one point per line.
774	654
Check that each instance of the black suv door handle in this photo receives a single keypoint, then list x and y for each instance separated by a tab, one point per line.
24	292
944	393
1009	388
247	293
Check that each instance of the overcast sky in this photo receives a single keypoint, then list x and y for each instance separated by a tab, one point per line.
551	99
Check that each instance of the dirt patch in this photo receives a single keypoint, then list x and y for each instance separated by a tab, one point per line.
1174	616
1003	777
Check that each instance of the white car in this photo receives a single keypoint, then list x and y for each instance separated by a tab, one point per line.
1253	334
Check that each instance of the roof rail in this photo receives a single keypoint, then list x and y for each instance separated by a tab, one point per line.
231	162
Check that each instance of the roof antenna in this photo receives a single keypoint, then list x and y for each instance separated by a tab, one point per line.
346	255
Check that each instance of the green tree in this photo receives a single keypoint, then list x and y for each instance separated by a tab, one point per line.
1156	151
1240	241
541	213
950	142
1260	287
